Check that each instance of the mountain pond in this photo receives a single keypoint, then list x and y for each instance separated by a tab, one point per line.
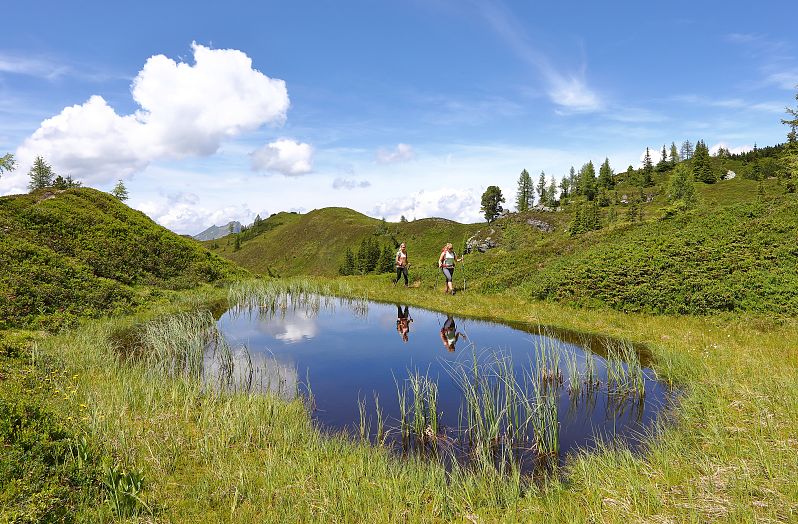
417	379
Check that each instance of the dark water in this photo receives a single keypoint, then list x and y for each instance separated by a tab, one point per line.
347	353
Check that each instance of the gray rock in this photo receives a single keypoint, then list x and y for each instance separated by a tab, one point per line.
540	224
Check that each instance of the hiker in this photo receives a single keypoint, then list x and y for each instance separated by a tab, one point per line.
446	263
449	334
403	320
401	263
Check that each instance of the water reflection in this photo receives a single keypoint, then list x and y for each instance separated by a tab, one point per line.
548	394
449	334
403	320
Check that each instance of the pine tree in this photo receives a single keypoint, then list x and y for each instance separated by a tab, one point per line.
41	174
541	189
605	179
702	168
647	178
674	157
587	181
492	203
687	150
120	191
525	195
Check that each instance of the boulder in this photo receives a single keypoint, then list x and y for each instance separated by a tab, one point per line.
540	224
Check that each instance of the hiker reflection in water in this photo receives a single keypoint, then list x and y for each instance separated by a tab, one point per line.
403	320
449	334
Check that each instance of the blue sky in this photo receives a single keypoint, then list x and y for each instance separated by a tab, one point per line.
388	107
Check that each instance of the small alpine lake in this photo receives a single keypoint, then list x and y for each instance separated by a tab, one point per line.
414	379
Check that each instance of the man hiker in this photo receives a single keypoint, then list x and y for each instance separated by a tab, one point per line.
401	263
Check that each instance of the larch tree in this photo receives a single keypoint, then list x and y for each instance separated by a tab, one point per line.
120	191
687	150
674	157
41	174
790	154
587	181
541	189
7	163
492	200
525	195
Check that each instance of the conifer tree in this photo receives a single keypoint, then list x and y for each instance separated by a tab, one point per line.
605	179
237	245
541	189
687	150
348	267
663	163
551	193
492	203
41	174
587	181
386	264
790	154
525	195
402	220
565	188
120	191
65	183
631	176
681	187
702	168
572	181
647	178
674	157
7	163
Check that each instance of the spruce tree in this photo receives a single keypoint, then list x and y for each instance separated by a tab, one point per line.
565	188
551	193
647	178
663	163
120	191
605	179
572	182
525	195
41	174
702	168
348	267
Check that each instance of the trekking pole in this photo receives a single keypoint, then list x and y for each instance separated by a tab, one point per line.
464	279
437	274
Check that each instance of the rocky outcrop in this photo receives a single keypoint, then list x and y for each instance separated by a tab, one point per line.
541	225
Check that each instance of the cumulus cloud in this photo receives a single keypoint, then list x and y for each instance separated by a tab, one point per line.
184	110
733	150
284	156
400	153
461	205
349	183
182	213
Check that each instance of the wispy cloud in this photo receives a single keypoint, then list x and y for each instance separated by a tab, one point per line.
569	90
400	153
32	66
730	103
777	61
349	183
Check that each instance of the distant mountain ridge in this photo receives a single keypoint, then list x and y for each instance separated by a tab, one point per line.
214	232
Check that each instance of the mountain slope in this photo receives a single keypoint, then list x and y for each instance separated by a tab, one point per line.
67	253
214	232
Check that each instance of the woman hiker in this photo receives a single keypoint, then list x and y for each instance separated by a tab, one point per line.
401	263
446	263
449	334
403	320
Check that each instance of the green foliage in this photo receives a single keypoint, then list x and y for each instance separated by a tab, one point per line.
682	188
65	183
702	166
123	488
492	202
7	163
525	195
41	174
387	260
348	267
687	150
586	179
605	179
674	155
647	173
81	253
587	217
120	191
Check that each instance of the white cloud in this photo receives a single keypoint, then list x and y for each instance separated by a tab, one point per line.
183	213
284	156
733	150
349	183
184	109
461	205
31	66
401	153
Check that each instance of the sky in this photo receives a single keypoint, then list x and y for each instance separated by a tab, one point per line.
211	112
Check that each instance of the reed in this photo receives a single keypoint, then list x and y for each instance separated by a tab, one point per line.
574	376
380	421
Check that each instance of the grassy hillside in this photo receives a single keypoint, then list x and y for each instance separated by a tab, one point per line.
735	251
289	244
80	251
